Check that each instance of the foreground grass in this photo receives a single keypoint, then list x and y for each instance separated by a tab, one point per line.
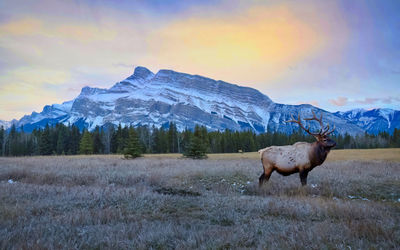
165	202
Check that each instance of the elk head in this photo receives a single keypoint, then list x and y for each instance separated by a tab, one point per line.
322	136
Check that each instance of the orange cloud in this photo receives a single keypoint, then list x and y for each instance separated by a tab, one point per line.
27	26
258	44
26	89
86	33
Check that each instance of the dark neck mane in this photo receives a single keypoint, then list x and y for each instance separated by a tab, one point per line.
318	154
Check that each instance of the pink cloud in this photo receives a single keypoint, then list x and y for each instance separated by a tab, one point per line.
313	102
368	100
385	100
340	101
390	99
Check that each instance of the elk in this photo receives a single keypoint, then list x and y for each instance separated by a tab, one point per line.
300	157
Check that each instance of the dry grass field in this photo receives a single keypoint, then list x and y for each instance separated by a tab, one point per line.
383	154
163	202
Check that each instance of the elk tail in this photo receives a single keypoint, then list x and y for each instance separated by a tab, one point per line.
262	150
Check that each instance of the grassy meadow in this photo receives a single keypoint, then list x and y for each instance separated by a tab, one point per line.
352	201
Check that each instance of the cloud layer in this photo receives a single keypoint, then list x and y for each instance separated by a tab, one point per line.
317	51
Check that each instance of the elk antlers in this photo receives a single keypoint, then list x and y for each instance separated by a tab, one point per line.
322	132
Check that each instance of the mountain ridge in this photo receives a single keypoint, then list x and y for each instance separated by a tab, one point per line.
145	98
373	121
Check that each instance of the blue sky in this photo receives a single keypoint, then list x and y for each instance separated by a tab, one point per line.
337	55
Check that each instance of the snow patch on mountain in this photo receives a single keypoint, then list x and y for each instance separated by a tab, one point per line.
373	121
145	98
5	124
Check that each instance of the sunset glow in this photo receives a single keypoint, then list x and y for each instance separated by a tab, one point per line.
334	54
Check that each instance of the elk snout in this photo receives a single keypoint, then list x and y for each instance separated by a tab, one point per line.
331	144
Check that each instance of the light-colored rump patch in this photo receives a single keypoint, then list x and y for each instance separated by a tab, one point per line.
287	157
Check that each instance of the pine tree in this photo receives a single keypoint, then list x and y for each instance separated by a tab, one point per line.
120	139
160	141
1	140
106	137
172	138
144	138
35	142
11	143
396	138
132	149
22	143
196	148
45	142
86	144
98	146
186	138
113	141
61	147
74	140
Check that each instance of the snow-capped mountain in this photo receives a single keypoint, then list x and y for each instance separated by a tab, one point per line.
145	98
373	121
5	124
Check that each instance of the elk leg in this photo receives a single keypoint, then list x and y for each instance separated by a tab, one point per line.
265	176
303	177
261	180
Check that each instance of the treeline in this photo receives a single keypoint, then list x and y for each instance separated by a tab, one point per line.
69	140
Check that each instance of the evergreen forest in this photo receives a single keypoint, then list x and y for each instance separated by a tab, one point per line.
69	140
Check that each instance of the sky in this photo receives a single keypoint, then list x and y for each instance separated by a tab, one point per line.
336	55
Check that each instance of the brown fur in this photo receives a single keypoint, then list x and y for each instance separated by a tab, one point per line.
317	154
300	157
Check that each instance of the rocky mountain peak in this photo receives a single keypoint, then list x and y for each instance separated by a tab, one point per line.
141	73
88	90
151	99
